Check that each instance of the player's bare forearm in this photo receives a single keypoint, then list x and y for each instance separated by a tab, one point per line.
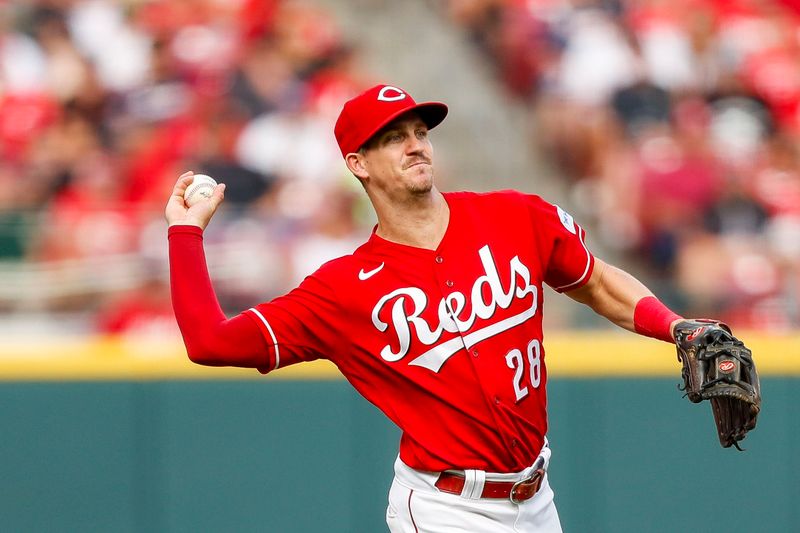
612	293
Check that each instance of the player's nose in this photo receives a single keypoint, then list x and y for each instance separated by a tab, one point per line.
415	145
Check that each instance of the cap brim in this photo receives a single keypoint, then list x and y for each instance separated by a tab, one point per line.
431	113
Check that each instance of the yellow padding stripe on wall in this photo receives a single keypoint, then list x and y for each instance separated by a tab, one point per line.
568	354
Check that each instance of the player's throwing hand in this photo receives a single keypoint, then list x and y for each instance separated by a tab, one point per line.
199	214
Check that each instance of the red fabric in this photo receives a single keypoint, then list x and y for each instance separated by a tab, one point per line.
363	116
143	313
256	18
792	4
87	218
23	117
774	75
328	88
152	165
446	342
210	338
653	319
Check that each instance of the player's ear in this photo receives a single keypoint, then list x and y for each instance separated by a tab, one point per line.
355	163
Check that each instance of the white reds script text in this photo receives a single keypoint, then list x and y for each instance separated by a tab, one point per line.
456	314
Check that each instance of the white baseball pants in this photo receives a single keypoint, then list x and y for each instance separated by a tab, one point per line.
417	506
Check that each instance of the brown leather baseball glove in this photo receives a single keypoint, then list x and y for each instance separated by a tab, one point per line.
719	367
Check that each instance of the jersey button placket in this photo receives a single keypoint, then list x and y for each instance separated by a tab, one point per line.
449	283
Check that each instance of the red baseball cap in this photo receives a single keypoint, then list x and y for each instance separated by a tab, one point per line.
363	116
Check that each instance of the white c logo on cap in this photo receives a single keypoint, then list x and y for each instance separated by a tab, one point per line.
383	96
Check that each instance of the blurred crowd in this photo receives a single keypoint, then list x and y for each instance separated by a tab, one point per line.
677	124
104	103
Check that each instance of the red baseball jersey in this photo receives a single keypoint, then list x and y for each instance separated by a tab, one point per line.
446	342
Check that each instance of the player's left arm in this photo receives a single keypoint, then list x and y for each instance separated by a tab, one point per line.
625	301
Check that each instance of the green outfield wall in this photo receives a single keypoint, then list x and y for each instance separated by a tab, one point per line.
238	455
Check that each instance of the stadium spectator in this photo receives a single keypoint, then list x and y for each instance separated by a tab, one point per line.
677	124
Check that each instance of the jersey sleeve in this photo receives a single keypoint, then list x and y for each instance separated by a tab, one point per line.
567	261
299	326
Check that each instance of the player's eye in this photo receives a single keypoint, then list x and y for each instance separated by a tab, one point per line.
422	134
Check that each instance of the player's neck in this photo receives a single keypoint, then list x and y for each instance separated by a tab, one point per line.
420	222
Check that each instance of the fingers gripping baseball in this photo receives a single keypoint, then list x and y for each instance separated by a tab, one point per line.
202	208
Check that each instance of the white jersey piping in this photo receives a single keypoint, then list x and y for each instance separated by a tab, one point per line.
272	334
581	235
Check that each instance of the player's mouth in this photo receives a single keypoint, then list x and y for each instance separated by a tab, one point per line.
415	163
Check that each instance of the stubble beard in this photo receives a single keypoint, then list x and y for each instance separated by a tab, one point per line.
422	185
420	189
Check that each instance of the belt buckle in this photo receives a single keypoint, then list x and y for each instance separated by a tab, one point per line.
531	486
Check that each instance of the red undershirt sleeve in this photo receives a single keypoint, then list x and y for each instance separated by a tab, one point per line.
210	338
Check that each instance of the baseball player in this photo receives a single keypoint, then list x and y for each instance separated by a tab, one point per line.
436	320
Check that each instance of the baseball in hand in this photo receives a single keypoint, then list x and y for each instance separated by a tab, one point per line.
200	189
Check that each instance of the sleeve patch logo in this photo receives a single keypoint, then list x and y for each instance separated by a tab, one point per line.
566	220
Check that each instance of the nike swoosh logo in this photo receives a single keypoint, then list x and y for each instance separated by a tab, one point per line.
363	276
